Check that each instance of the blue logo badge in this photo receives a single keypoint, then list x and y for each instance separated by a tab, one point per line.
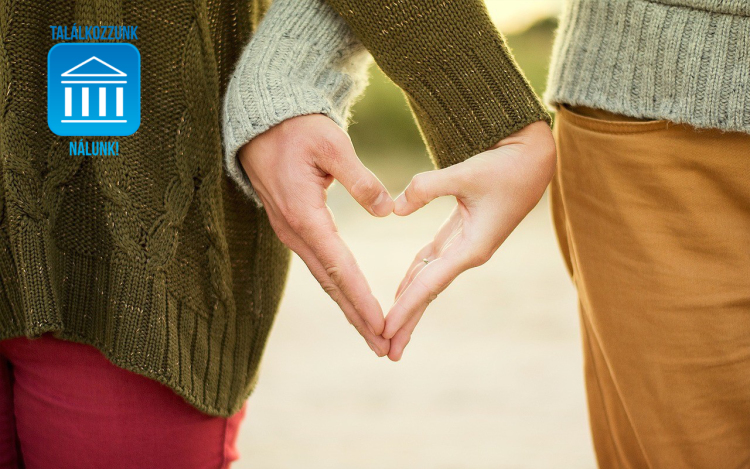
94	89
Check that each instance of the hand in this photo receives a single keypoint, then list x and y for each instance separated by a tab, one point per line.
291	167
494	192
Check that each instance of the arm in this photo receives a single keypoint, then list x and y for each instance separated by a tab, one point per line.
302	60
461	81
285	112
469	98
494	191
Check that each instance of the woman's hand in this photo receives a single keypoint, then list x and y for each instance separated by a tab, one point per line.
494	192
291	167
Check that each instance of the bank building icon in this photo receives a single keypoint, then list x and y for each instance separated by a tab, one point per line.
94	89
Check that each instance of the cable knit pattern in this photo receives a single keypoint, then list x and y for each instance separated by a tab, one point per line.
687	61
131	253
303	59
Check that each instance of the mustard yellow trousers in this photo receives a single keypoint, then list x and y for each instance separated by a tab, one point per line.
653	219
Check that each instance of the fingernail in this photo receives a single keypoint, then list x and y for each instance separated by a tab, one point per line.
382	205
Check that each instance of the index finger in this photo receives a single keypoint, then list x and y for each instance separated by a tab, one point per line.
377	343
431	280
322	237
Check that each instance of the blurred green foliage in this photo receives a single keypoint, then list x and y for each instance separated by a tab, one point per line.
384	133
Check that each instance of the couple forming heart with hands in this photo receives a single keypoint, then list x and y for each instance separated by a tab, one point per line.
151	275
153	269
285	117
292	165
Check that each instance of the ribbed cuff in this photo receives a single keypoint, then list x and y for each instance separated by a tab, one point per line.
302	60
462	83
470	103
652	60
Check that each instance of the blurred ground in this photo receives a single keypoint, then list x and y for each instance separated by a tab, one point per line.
493	375
491	379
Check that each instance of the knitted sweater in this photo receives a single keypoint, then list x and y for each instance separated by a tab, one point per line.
303	59
153	255
687	61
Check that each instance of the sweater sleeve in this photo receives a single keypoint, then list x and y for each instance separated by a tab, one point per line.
459	77
303	59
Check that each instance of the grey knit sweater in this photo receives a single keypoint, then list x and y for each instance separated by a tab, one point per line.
303	59
687	61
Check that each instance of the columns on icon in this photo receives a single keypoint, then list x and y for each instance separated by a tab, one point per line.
85	101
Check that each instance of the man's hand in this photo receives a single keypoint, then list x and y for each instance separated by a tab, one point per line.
494	190
291	167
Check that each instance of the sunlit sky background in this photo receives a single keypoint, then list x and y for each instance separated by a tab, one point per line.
515	15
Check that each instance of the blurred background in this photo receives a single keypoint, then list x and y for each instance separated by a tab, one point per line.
493	375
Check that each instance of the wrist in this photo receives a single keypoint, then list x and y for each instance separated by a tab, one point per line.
302	60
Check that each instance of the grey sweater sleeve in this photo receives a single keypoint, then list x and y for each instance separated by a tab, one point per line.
303	59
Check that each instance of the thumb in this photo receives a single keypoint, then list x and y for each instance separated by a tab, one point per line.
426	187
359	181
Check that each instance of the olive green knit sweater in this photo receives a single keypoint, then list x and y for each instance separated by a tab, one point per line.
154	256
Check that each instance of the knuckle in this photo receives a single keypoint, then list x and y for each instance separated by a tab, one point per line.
326	148
418	186
432	291
329	145
399	312
335	273
296	223
296	218
285	237
285	211
331	290
432	296
365	187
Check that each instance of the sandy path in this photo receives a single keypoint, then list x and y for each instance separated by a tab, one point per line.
491	379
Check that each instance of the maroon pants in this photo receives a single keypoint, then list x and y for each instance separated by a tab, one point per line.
64	405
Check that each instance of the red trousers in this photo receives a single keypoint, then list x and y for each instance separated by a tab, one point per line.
64	405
